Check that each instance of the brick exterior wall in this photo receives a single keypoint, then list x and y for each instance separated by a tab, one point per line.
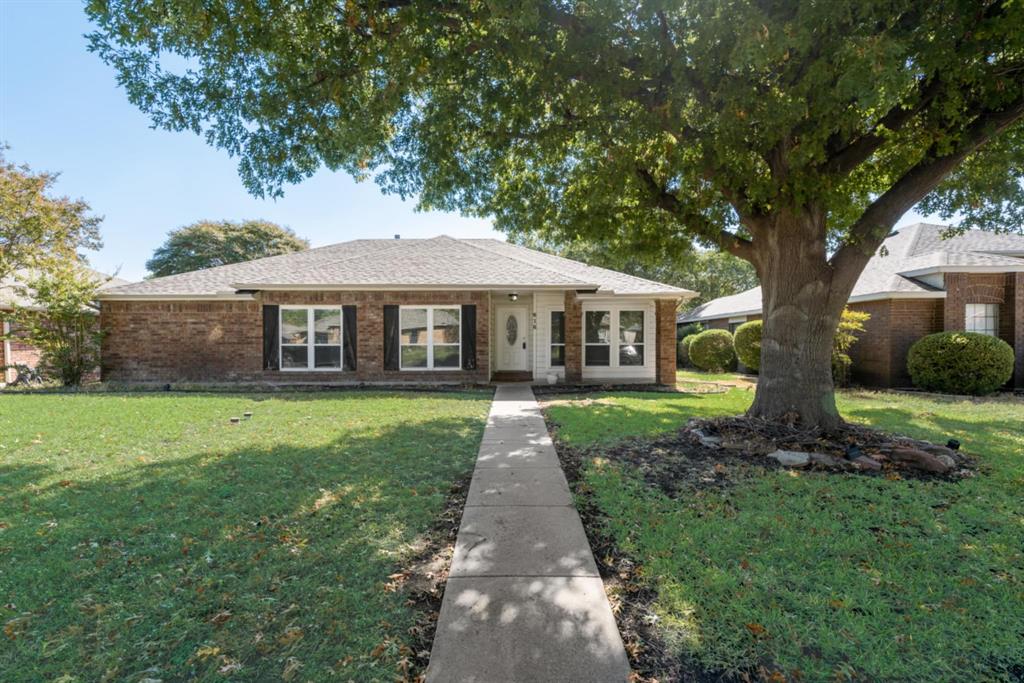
156	341
910	319
872	355
665	318
223	340
573	338
1018	329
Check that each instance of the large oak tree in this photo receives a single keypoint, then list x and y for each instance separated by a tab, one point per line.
207	244
793	134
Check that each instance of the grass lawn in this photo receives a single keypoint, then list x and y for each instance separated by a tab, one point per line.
142	536
819	576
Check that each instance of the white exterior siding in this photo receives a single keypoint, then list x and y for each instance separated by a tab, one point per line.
544	304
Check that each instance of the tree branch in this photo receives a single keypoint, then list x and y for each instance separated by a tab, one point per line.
867	234
695	221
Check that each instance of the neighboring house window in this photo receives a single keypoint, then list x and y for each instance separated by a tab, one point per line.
557	339
598	338
631	337
734	323
430	338
983	318
310	338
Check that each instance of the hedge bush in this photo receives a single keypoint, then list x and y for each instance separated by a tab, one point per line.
682	353
960	363
712	351
747	343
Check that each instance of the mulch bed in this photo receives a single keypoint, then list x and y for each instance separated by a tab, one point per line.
708	455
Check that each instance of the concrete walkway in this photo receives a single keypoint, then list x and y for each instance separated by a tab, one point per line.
524	602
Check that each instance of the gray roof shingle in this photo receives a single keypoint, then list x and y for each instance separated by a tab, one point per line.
436	262
906	253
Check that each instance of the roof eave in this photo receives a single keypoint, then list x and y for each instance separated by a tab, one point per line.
932	270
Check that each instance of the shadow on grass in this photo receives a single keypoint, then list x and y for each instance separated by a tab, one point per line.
249	562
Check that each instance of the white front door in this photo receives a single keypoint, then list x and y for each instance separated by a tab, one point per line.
511	335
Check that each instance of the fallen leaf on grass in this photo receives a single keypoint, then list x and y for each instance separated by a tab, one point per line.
291	668
757	630
290	635
220	618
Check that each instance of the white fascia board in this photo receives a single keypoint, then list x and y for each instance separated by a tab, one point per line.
176	297
860	298
404	288
962	269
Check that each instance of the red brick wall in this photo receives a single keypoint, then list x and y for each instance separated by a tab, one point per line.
223	340
872	354
155	341
665	317
573	338
1018	328
911	319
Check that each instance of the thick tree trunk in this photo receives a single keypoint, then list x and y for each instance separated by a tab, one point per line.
802	302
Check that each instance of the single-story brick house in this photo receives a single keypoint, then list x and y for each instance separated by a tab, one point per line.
386	311
14	349
917	284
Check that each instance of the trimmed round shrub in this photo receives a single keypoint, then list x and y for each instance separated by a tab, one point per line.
747	342
960	363
712	351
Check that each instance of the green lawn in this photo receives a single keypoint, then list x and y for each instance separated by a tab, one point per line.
142	536
825	576
692	375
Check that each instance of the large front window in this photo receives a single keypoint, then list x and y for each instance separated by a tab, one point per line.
613	338
430	338
983	318
311	338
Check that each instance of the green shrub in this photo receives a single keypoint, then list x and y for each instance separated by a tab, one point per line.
684	331
712	351
960	363
682	353
851	324
747	343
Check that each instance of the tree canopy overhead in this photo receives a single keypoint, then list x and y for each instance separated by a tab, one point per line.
793	134
206	244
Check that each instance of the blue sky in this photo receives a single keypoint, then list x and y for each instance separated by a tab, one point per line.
61	110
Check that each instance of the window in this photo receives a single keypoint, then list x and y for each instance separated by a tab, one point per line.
614	338
735	323
430	338
631	338
310	338
598	338
983	318
558	339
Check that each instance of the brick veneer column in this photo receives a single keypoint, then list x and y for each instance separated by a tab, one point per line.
666	341
956	299
573	338
1018	329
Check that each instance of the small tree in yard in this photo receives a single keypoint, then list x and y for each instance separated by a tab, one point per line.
792	134
851	324
62	322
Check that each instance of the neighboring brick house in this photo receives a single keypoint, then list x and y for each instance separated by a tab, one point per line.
917	284
384	311
14	350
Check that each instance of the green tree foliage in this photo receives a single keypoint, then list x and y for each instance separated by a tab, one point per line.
206	244
791	134
62	321
960	363
851	326
37	229
747	342
712	274
712	350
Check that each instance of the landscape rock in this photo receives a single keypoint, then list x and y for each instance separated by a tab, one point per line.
865	463
919	459
791	458
939	451
707	439
946	460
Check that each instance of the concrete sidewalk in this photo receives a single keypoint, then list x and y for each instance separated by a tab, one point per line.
524	602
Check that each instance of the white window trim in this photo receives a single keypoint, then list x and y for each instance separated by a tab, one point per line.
614	313
430	339
310	339
994	332
551	334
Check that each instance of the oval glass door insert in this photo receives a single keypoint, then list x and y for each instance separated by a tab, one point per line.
511	329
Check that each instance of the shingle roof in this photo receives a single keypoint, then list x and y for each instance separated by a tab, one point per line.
9	296
907	254
436	262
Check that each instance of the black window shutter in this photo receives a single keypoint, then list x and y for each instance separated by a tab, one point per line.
469	337
271	350
391	333
348	327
